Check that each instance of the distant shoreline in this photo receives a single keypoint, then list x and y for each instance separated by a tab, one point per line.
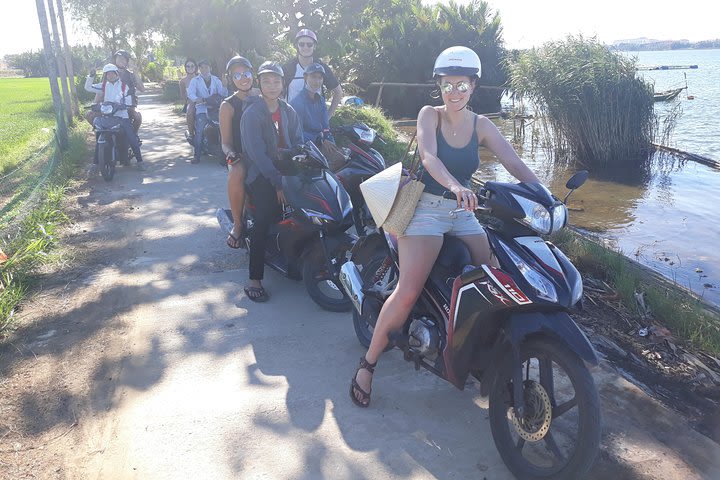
643	45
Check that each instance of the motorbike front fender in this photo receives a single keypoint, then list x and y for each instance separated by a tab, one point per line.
558	325
521	326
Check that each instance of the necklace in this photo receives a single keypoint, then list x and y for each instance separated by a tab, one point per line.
452	129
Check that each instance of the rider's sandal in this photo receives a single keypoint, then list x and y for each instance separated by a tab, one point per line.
355	388
256	294
233	241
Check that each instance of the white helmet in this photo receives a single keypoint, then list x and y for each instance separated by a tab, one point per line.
457	61
110	68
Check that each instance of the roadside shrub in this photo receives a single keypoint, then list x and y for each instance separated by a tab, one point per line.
593	107
153	72
373	117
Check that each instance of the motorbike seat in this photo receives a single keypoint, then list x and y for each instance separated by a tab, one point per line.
453	257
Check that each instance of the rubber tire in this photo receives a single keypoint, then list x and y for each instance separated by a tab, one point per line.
588	404
105	162
311	265
364	335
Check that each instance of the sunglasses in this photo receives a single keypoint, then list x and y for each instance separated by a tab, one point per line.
448	87
242	75
306	44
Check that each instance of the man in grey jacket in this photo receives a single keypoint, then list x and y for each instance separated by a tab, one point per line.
268	124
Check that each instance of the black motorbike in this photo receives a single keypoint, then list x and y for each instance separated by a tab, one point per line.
509	327
309	242
211	142
112	143
363	162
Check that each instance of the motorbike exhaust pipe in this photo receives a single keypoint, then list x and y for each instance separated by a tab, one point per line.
351	281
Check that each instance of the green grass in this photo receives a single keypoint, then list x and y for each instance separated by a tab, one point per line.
684	314
36	235
26	119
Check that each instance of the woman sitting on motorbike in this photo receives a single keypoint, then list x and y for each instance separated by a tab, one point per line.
268	124
240	78
113	89
448	140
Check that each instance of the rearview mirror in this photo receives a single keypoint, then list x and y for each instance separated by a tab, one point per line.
577	180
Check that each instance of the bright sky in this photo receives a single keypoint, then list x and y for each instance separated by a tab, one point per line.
525	23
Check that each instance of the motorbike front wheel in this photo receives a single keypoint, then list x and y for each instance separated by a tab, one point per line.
321	286
106	164
558	435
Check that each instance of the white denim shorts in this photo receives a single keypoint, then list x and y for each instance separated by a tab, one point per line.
432	217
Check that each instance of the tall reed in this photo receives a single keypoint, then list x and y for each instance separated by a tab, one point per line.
594	108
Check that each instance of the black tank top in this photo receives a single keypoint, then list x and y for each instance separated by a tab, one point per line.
238	107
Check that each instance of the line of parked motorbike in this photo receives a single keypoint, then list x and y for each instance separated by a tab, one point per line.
508	327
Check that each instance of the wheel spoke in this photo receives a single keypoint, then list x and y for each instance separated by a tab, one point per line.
553	447
546	378
564	408
520	444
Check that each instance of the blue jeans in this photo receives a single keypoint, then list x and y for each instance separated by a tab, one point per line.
200	121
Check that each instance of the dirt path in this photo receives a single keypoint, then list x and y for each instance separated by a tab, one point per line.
140	358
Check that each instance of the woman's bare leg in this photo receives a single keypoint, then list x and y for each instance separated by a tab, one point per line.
236	195
417	257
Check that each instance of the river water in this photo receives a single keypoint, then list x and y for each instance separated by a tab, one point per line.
669	220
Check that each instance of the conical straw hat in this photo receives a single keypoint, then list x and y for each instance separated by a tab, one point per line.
380	191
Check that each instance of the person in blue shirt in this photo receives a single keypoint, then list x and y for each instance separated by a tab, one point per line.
310	105
201	88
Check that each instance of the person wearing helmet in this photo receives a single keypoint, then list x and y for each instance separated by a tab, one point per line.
113	89
191	72
448	140
121	59
201	88
310	105
239	74
305	43
268	124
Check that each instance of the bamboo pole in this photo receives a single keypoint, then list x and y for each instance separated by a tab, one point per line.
68	59
57	51
62	135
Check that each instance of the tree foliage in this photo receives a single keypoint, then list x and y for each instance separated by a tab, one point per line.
399	40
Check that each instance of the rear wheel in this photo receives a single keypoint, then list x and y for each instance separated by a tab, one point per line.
558	435
105	161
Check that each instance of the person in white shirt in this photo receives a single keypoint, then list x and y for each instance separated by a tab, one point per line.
199	90
112	89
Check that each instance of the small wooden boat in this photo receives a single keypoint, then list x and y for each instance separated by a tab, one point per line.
667	94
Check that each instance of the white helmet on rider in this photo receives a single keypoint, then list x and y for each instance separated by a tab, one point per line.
306	32
457	61
109	68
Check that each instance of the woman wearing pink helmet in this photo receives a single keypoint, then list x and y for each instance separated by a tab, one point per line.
305	43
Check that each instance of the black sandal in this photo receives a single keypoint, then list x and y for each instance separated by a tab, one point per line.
233	241
364	402
256	294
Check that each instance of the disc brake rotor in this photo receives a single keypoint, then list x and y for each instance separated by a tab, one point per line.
538	413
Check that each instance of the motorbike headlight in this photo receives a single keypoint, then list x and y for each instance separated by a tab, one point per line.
543	287
537	216
106	109
367	136
316	217
559	217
